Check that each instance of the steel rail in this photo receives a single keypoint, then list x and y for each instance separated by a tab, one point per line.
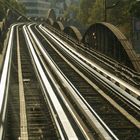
70	134
110	61
90	66
86	135
91	115
114	66
44	91
118	107
4	81
129	116
57	88
111	76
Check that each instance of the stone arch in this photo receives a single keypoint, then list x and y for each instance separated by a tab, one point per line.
58	25
107	39
49	21
73	32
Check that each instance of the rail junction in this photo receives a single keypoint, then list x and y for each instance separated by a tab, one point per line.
59	85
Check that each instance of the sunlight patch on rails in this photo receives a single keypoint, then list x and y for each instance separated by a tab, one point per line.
60	112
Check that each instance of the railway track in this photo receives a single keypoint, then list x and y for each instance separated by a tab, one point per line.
111	112
35	121
49	91
107	63
118	81
33	111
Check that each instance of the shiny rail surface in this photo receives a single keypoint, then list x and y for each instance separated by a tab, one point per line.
111	65
62	118
46	116
67	96
39	119
4	82
102	130
61	60
92	68
95	66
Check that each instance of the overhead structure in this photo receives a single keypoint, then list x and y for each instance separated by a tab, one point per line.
73	32
51	14
107	39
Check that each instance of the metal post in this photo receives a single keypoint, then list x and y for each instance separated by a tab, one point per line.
105	10
108	7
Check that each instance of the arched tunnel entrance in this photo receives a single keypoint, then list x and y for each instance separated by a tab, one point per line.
107	39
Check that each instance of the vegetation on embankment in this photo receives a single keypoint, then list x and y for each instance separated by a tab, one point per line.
6	4
119	12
